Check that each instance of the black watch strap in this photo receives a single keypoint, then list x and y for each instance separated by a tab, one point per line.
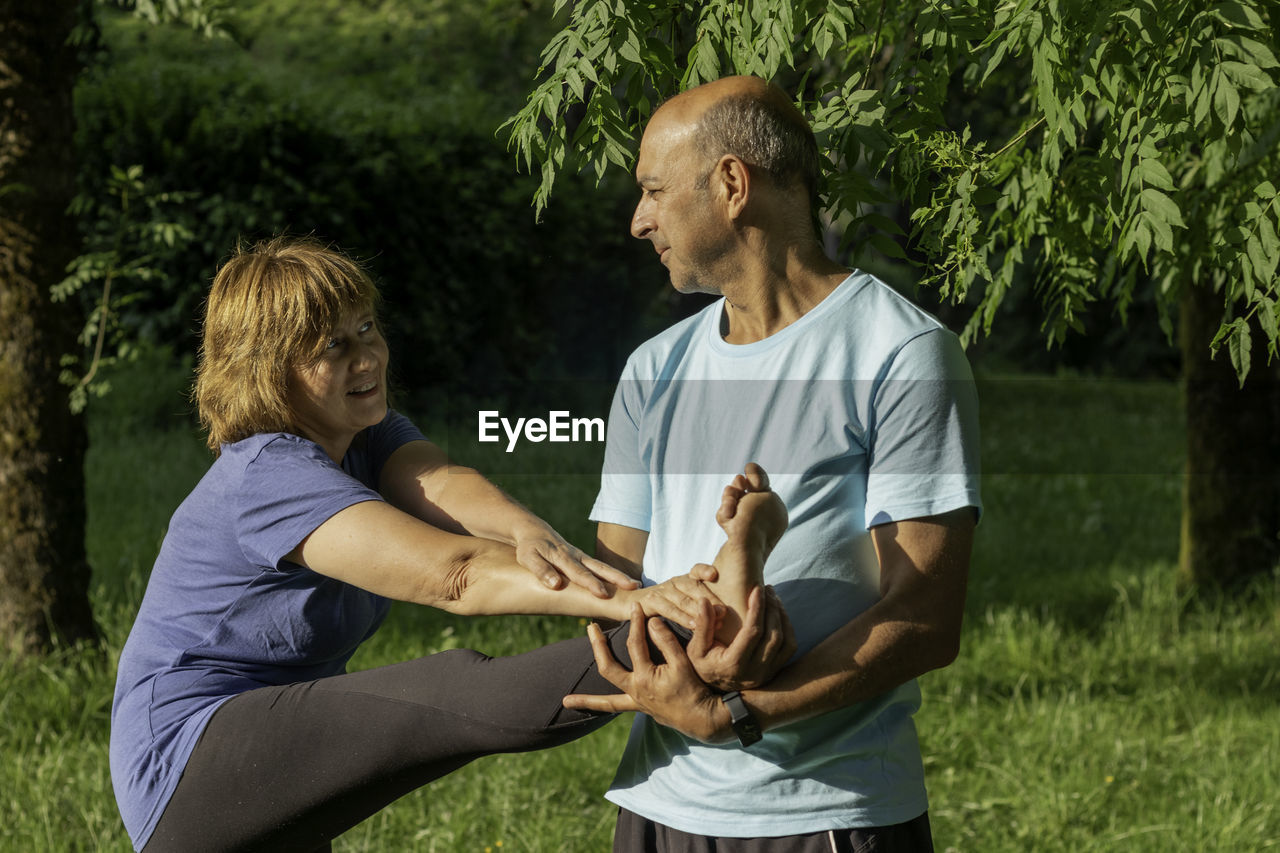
744	722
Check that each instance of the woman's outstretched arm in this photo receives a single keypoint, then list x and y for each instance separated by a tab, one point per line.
377	547
420	479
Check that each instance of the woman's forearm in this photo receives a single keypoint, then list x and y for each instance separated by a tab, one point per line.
420	480
377	547
493	583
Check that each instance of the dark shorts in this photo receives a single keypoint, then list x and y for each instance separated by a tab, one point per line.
636	834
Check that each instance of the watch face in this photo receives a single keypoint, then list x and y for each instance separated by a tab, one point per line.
744	723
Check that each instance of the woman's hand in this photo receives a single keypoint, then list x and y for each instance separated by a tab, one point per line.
670	692
555	562
684	599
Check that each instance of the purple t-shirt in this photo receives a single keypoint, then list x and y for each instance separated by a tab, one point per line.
224	612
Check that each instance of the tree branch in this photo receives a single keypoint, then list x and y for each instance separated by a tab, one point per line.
875	42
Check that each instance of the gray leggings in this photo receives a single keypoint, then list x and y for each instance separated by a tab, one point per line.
289	768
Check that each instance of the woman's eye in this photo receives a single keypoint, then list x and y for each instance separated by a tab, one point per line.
367	326
333	343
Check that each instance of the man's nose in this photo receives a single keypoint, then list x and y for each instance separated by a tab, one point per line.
641	221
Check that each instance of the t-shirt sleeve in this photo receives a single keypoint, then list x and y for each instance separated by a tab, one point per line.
365	460
625	495
923	454
289	488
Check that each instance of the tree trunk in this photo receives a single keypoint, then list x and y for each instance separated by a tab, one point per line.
44	575
1231	497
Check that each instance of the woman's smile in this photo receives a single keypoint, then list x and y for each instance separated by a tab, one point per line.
344	390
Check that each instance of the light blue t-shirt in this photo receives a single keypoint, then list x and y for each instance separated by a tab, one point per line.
224	612
863	411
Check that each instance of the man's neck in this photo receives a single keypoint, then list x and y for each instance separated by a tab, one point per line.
765	298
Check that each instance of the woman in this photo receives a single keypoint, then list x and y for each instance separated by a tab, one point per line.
234	725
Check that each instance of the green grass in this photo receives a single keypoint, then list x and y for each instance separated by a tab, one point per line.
1093	706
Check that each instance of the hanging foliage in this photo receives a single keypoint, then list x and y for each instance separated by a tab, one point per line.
1087	149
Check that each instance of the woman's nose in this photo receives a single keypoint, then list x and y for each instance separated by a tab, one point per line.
366	356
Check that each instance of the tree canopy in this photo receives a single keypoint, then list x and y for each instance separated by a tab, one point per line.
1091	150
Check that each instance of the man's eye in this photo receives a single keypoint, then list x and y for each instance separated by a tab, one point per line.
366	326
333	343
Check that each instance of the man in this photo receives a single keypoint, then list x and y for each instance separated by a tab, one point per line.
861	408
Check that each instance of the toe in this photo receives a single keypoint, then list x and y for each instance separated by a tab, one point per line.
756	477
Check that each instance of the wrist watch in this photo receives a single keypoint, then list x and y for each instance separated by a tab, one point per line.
745	725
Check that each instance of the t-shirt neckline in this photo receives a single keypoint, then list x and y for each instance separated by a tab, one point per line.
851	284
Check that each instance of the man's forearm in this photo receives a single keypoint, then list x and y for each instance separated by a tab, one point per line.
883	648
913	628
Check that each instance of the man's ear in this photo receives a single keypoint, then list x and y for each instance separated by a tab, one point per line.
732	180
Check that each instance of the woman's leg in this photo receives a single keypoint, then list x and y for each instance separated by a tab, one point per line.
288	768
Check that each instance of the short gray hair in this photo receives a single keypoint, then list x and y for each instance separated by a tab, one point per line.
778	141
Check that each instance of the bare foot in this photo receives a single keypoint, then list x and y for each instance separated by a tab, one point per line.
754	518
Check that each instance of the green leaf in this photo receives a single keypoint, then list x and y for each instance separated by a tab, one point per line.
1204	102
1247	75
1246	50
630	49
1161	232
822	40
1239	346
1263	266
708	63
880	222
1226	100
1161	207
574	80
1154	173
957	207
1259	52
1240	14
1267	233
1046	94
886	246
1247	278
1141	237
1267	319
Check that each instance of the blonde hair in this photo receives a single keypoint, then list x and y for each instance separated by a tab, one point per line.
271	307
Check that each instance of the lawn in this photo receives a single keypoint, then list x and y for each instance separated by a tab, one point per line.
1093	707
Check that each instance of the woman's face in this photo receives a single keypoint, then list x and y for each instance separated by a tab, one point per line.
345	390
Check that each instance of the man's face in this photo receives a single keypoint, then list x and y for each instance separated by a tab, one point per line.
674	213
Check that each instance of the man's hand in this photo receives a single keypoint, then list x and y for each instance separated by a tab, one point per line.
670	692
554	561
762	646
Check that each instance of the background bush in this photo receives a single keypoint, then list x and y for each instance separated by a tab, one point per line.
373	128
